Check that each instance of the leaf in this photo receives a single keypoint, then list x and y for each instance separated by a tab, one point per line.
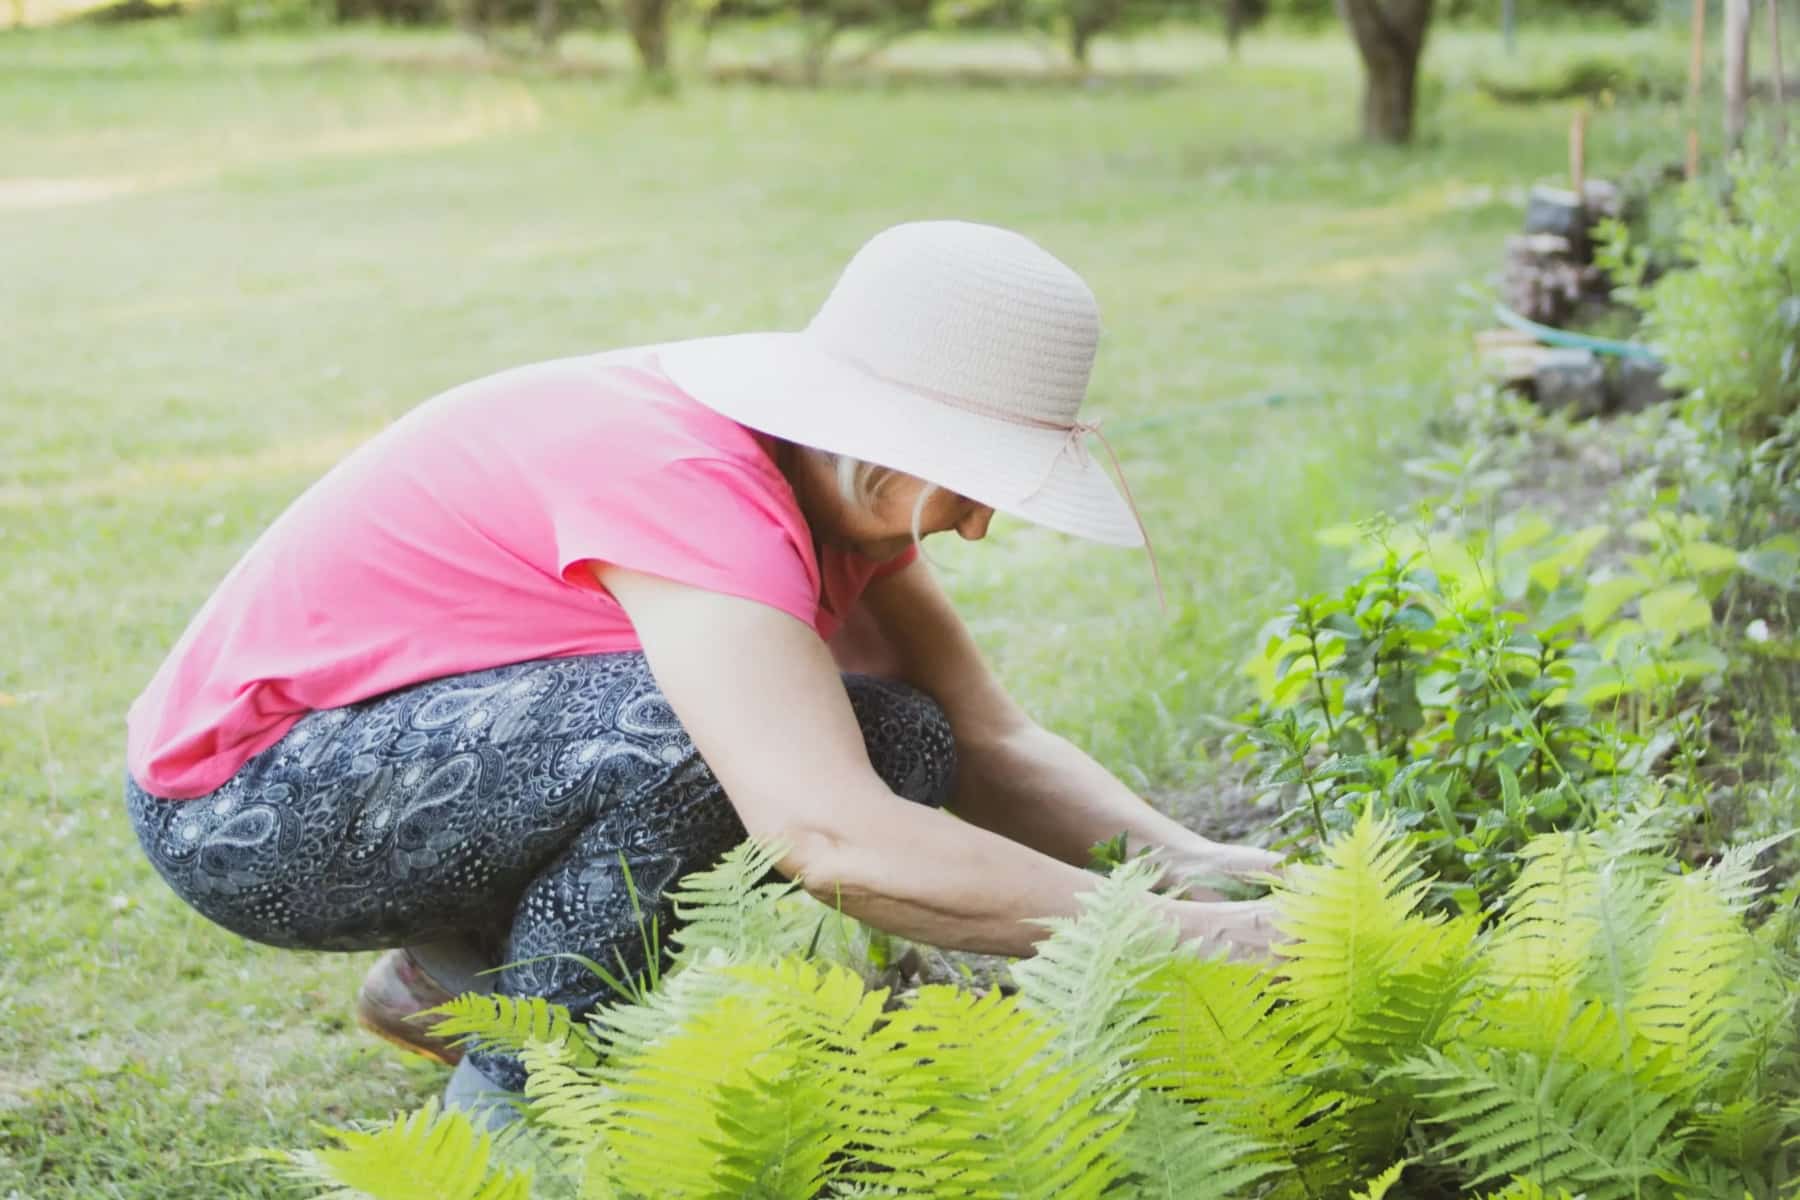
1090	978
426	1155
510	1023
1364	967
1776	562
1509	1114
1176	1156
1674	610
1707	558
1605	597
1379	1186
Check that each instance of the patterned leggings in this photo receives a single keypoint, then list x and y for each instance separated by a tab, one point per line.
496	805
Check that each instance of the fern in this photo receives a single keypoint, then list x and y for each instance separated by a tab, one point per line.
675	1127
1619	1034
1382	1184
1170	1154
1546	939
1364	967
1527	1189
1091	978
427	1155
1221	1038
510	1023
626	1028
569	1102
1506	1114
1699	953
1000	1117
733	909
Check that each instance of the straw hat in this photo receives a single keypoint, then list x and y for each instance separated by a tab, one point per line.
955	352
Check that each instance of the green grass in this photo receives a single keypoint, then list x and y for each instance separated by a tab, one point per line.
223	265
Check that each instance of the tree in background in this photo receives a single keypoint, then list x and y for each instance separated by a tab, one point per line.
1390	36
648	23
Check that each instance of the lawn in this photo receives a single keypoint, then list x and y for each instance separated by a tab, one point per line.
223	265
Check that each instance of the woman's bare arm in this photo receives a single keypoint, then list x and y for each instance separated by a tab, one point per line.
1017	778
762	699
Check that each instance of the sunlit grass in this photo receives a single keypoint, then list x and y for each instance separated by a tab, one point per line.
221	265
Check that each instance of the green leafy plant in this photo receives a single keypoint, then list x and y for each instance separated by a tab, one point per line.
1620	1031
1730	325
1485	688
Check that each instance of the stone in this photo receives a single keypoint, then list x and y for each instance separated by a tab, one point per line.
1602	198
1542	278
1570	380
1641	384
1555	211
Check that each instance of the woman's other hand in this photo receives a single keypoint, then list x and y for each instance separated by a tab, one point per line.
1199	869
1244	928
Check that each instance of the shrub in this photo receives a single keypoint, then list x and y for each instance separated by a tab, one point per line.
1620	1031
1488	688
1729	326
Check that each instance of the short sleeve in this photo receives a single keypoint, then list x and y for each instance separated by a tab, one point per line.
708	523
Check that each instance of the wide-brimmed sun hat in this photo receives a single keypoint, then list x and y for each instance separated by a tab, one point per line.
955	352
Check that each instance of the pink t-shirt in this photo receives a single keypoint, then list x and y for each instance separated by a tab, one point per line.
459	539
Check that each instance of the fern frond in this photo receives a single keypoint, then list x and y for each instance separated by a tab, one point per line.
998	1114
1527	1189
1091	977
1700	952
675	1127
627	1028
425	1155
1742	1132
1168	1153
1557	1026
777	1135
569	1102
733	909
1378	1187
1221	1037
1543	939
1364	966
1507	1114
510	1023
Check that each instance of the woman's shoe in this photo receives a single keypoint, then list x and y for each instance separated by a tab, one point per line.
393	995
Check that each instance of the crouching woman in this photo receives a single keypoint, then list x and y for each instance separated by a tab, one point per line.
592	621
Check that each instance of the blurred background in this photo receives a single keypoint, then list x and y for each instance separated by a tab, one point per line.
237	237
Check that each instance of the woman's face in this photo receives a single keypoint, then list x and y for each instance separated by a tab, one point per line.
884	529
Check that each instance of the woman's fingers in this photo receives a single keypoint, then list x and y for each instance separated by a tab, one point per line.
1244	928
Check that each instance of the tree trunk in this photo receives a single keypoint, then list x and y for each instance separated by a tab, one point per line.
547	25
471	17
648	21
1079	37
1390	36
817	50
1234	25
1737	70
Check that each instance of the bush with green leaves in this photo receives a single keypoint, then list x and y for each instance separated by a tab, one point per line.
1483	688
1620	1031
1729	325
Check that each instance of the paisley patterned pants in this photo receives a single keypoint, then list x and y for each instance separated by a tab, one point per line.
506	806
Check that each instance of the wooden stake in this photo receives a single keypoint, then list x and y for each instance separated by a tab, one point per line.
1737	71
1578	155
1696	68
1780	122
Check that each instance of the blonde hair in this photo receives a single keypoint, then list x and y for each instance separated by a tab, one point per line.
861	483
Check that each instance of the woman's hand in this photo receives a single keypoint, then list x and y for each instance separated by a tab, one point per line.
1199	869
1245	928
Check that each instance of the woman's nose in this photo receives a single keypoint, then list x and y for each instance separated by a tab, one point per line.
974	525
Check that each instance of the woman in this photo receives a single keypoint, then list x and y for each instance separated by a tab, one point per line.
562	635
